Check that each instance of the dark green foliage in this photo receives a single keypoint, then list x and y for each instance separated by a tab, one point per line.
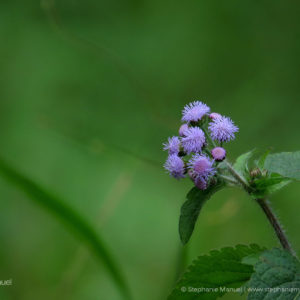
191	208
220	269
241	163
276	269
270	172
262	159
286	164
267	185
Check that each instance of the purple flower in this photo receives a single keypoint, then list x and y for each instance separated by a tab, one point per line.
194	140
175	166
218	153
194	111
201	183
173	145
222	129
214	116
202	169
183	128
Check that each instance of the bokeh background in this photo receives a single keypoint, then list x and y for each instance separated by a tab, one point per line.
89	91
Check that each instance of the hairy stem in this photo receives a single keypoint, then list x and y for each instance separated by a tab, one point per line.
208	138
229	179
238	177
263	203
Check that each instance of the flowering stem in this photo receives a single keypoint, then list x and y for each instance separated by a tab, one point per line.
229	179
238	177
265	206
263	203
208	137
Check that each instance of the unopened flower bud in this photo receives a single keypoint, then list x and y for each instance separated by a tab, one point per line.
214	116
255	172
218	153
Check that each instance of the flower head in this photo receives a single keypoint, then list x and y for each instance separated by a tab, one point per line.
222	129
183	128
202	169
214	116
194	140
175	166
218	153
194	111
201	183
172	145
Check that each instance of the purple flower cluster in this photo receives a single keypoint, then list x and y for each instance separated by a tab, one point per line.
175	166
194	111
194	140
222	129
173	145
201	169
194	151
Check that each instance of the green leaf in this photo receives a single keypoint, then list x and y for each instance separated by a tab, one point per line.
268	185
69	217
286	164
276	269
262	159
191	208
251	259
241	163
219	270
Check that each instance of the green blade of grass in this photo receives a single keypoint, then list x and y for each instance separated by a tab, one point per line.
68	216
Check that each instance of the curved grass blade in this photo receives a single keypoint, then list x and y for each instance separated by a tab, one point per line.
72	219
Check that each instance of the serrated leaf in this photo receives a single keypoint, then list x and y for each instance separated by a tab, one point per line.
251	259
191	208
277	276
286	164
241	163
219	270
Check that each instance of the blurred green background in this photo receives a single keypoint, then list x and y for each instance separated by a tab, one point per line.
89	91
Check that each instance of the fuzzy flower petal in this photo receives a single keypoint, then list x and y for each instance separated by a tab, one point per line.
175	166
214	116
183	128
202	169
218	153
222	129
194	140
200	183
173	145
194	111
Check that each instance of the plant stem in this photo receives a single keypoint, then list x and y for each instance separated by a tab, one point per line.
238	177
208	137
263	203
265	206
229	179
